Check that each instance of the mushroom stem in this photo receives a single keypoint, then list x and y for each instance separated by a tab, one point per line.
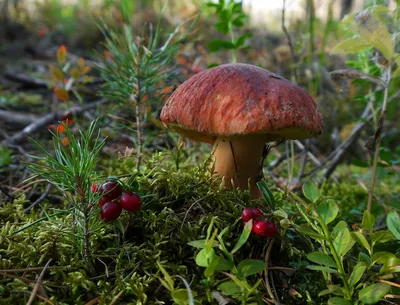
238	159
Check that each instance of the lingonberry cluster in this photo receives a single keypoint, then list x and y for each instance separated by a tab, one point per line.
114	199
261	227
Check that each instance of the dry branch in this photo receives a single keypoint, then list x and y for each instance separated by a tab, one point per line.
46	120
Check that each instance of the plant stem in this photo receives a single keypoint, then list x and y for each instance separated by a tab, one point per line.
233	51
136	99
379	138
336	256
139	135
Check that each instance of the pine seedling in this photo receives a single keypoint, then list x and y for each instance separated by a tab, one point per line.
136	69
71	170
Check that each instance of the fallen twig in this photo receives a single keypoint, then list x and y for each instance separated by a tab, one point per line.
46	120
17	117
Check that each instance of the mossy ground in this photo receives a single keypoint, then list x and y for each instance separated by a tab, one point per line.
178	207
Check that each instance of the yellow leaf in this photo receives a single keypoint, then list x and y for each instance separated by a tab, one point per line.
375	32
56	73
61	54
81	63
75	73
86	69
351	45
61	94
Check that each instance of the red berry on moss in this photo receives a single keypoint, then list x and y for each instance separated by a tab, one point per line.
130	201
247	214
264	228
111	190
110	211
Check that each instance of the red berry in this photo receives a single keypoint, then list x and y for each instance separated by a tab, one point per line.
96	188
247	214
110	211
111	190
103	201
130	201
258	213
264	228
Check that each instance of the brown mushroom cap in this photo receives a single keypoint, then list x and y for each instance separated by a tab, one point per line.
241	99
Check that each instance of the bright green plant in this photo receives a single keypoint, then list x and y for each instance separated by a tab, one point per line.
135	70
376	30
236	284
71	170
364	279
231	16
5	156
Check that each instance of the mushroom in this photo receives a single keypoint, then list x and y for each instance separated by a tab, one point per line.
238	108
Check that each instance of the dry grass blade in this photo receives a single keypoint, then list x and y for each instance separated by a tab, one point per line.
115	299
44	299
94	301
38	283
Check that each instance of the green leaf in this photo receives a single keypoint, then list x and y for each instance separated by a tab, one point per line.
322	268
338	301
210	270
224	264
322	259
239	21
250	266
204	258
357	273
381	257
280	213
368	221
343	242
168	279
268	196
364	258
310	232
393	223
337	290
361	240
324	292
310	191
381	237
243	237
352	45
230	288
391	265
241	40
201	243
340	226
218	44
328	211
373	293
181	296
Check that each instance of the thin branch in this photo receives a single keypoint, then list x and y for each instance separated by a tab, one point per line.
289	39
40	199
378	137
355	74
